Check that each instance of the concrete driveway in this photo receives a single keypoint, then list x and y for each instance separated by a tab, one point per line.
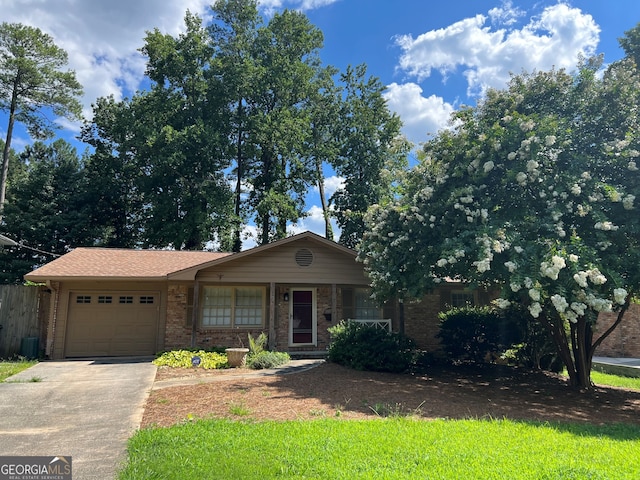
86	409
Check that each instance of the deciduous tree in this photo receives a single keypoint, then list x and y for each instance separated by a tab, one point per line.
371	152
532	192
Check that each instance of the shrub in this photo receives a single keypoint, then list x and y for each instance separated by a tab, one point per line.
477	333
536	350
182	359
368	348
259	357
266	359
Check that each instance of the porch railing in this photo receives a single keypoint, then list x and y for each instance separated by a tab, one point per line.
384	323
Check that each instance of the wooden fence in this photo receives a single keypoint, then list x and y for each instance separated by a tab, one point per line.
23	314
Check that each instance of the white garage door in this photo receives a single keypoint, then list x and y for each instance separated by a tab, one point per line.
112	324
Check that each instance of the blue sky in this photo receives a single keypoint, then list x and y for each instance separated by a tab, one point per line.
433	56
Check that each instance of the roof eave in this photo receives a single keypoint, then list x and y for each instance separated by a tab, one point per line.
85	278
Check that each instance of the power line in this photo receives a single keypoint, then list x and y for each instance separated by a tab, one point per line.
7	242
22	245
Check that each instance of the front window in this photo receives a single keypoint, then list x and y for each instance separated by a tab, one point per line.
462	298
233	306
358	304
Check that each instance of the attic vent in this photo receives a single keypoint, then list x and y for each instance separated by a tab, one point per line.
304	257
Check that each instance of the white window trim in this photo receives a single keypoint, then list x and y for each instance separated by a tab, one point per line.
232	324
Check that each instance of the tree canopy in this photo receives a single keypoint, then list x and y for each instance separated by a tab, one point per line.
532	192
32	79
239	124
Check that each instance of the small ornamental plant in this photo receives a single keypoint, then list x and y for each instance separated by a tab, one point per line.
260	358
184	359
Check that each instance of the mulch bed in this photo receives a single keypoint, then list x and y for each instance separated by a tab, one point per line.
331	390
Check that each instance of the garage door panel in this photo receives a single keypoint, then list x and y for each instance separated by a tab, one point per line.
112	324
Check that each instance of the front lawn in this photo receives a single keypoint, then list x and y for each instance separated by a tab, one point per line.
9	368
391	448
600	378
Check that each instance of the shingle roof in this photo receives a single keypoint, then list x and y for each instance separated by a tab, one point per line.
114	263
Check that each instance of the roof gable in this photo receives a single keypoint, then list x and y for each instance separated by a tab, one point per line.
190	273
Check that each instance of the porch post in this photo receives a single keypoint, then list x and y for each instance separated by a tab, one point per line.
194	313
272	316
334	303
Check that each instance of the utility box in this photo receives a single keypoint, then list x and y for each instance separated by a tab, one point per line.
29	347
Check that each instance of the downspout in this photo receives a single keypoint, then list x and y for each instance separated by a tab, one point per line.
194	313
53	317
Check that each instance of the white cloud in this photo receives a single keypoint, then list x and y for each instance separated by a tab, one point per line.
555	38
420	115
331	184
103	38
314	222
507	14
270	6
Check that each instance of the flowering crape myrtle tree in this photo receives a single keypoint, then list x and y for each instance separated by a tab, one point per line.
532	192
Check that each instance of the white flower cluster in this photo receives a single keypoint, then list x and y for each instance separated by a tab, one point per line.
451	259
598	304
535	309
527	126
620	295
552	269
511	266
606	226
502	303
559	302
627	202
483	265
577	310
594	275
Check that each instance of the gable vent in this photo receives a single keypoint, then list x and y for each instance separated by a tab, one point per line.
304	257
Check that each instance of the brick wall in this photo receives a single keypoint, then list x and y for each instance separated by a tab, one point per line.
177	332
624	341
178	329
421	321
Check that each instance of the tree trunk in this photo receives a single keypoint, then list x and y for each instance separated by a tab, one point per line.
581	353
7	148
328	229
578	358
555	326
237	228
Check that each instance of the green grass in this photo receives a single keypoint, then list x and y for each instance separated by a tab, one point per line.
396	447
392	448
600	378
9	368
